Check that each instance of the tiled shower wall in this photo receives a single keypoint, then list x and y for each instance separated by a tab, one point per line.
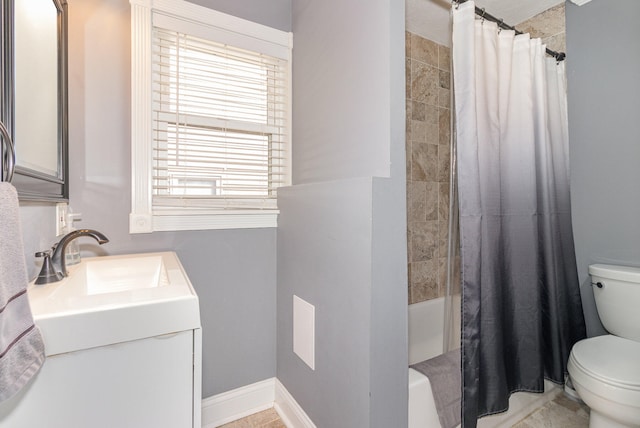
549	26
428	67
428	134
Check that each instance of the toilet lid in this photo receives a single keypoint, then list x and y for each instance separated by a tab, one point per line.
610	359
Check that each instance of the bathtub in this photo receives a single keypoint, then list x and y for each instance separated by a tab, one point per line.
426	322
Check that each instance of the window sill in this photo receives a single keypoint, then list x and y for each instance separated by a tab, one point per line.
147	223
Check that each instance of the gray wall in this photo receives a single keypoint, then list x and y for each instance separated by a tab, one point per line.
341	240
274	13
38	231
233	271
603	65
341	61
324	257
341	231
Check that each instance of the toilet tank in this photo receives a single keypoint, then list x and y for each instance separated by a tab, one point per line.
617	293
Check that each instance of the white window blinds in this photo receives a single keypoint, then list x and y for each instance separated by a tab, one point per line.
219	124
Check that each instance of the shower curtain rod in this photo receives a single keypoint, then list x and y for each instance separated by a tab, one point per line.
559	56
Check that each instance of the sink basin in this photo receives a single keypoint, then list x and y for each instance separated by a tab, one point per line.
103	275
114	299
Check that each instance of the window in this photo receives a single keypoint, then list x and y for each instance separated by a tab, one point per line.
210	119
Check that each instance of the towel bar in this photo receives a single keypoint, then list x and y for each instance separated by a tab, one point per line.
8	155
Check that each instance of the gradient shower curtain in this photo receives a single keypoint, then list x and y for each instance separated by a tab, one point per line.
521	307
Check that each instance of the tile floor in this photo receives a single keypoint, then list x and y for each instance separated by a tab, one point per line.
561	412
266	419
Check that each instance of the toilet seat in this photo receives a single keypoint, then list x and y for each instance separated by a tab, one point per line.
608	366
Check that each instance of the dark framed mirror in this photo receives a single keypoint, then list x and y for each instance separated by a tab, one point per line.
33	95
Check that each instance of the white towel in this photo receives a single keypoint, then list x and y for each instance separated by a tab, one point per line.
21	345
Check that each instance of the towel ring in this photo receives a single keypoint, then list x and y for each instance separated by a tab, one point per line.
8	154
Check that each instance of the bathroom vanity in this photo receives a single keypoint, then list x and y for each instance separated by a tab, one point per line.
123	343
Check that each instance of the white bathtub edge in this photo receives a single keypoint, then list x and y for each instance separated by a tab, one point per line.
422	407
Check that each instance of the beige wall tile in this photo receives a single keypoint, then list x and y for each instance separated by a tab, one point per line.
444	97
549	25
424	50
407	44
423	277
432	135
442	276
443	238
419	131
443	201
416	201
407	78
556	42
408	162
444	79
423	237
444	126
428	153
431	200
424	87
545	24
431	114
424	161
418	111
444	57
444	160
455	280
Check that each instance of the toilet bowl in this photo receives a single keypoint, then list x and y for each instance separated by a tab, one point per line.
605	370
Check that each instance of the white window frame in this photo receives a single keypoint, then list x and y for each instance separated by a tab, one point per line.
202	22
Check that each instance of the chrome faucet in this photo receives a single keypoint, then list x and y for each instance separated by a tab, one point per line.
54	266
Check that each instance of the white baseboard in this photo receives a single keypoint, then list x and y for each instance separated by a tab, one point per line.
289	410
228	406
244	401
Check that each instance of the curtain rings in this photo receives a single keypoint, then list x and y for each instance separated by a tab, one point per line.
483	13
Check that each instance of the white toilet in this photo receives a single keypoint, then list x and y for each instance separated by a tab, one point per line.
605	370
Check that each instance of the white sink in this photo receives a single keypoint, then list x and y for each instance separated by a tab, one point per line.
103	275
114	299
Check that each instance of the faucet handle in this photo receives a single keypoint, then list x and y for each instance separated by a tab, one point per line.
47	273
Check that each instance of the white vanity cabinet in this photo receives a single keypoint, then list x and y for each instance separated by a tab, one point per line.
143	370
142	383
